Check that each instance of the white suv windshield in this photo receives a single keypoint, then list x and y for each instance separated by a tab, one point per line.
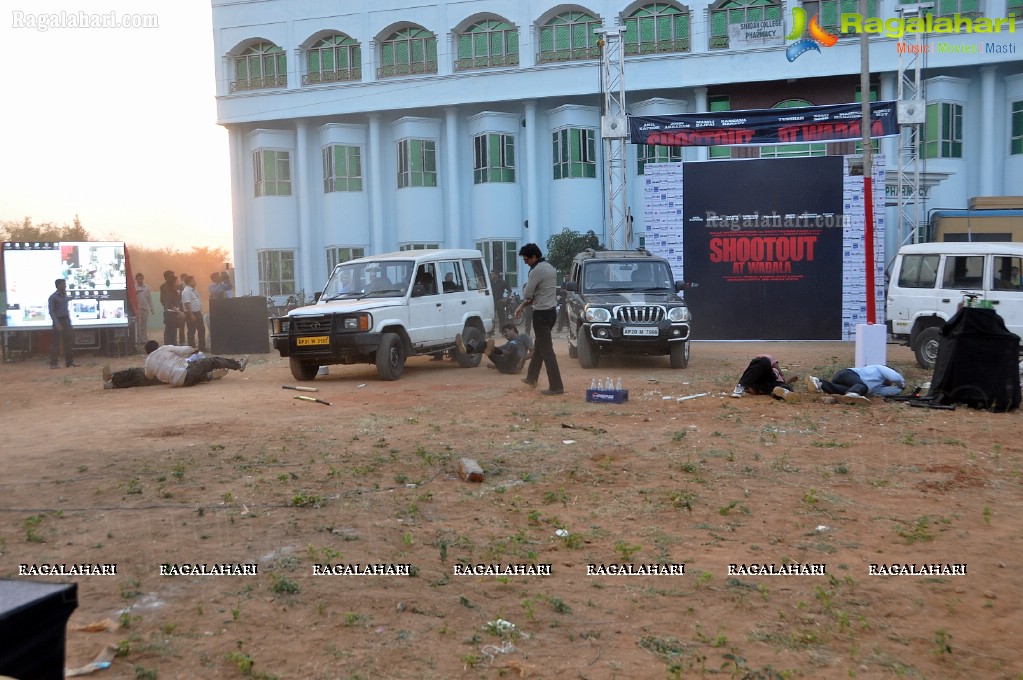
359	279
628	275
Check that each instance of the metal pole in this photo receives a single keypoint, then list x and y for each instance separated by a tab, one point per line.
868	193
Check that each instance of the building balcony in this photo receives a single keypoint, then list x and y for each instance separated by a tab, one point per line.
415	69
490	61
343	76
577	54
658	47
264	83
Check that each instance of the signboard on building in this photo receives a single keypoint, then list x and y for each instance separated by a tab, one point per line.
766	33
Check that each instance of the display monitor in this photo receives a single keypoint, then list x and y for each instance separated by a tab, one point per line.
96	275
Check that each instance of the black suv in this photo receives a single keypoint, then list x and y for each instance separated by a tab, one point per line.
625	301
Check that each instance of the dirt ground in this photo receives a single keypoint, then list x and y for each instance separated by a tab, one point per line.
238	471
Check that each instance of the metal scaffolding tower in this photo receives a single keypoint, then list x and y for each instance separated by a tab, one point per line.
912	110
614	132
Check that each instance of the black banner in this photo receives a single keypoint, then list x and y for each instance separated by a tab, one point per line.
835	122
763	239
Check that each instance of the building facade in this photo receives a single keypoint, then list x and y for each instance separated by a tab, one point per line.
359	128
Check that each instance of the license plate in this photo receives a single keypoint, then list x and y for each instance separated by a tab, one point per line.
314	340
645	331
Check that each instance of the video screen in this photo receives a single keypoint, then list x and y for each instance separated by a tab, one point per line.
96	275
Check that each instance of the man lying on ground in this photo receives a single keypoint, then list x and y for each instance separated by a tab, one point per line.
509	357
174	365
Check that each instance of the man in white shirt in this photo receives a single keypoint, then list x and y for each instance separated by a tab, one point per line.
174	365
192	306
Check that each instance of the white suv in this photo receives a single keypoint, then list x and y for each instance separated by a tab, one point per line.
383	309
930	280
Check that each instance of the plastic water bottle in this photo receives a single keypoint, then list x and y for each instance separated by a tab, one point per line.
609	385
618	385
593	384
600	384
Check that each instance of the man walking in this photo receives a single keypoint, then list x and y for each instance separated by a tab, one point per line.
62	335
540	294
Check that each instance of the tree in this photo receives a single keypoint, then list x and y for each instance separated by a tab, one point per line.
563	247
25	231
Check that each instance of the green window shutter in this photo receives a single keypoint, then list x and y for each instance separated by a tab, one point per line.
546	39
719	24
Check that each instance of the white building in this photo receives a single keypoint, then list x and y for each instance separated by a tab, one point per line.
358	128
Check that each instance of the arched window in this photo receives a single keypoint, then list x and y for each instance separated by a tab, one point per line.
406	52
488	44
793	150
657	28
570	36
260	66
336	58
728	12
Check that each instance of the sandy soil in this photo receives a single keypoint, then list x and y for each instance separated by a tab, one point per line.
239	471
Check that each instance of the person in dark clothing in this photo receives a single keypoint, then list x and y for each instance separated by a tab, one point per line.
501	290
170	300
540	294
509	357
62	335
763	376
562	308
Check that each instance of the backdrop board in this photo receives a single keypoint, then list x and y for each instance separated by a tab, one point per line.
239	326
97	276
768	244
775	246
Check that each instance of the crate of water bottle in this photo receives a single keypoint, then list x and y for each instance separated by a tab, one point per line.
607	391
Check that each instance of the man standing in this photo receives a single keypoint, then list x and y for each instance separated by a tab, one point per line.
220	286
540	293
501	290
192	306
170	300
62	331
144	300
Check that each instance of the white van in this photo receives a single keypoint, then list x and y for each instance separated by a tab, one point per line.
930	280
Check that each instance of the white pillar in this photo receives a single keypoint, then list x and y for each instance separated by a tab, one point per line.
375	155
989	179
452	180
532	159
701	153
303	186
244	257
889	146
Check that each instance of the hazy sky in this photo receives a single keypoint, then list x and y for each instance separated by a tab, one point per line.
116	125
